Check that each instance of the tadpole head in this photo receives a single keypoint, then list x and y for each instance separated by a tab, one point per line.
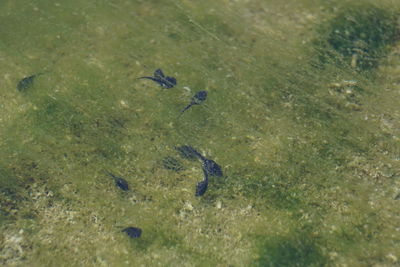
212	168
122	184
200	96
25	83
133	232
158	73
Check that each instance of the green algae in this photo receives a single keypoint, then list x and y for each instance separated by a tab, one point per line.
291	251
359	35
310	155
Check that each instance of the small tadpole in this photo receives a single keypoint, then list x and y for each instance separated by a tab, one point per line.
210	167
133	232
197	99
166	82
27	82
188	152
120	182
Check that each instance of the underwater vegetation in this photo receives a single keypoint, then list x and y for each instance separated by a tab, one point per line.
288	154
296	250
358	35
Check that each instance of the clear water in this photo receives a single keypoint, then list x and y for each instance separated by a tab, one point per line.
310	155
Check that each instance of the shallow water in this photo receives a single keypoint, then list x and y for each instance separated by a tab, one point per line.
310	155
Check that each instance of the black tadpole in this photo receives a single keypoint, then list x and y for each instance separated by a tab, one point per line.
210	167
197	99
133	232
120	182
159	77
27	82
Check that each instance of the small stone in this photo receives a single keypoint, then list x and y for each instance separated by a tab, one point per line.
188	206
391	257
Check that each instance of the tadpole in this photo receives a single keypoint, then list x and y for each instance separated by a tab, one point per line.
119	181
133	232
197	99
166	82
27	82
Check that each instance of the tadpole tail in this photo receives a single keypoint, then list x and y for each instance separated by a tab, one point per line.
110	174
201	188
187	107
201	157
148	77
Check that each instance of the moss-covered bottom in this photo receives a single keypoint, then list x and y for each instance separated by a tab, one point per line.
309	148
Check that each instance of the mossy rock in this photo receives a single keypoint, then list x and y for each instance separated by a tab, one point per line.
359	35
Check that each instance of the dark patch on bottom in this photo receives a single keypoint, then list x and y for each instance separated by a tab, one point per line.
173	164
298	250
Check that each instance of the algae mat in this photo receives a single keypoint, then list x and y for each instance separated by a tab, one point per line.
301	115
